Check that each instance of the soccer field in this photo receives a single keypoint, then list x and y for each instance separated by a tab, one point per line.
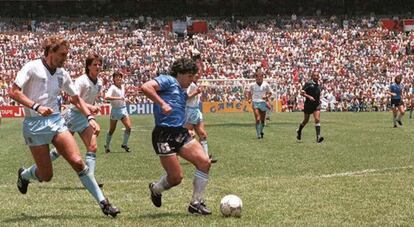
362	174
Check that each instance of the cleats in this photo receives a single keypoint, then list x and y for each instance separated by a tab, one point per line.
261	135
319	139
126	148
100	185
298	134
199	208
395	126
108	208
155	198
399	122
212	160
22	184
107	150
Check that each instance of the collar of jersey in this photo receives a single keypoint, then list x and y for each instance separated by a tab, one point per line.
48	68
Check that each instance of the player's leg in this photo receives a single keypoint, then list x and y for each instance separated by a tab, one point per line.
257	121
126	121
41	171
191	129
161	139
262	116
193	152
112	127
65	143
89	139
202	134
302	125
317	116
411	107
400	113
173	177
394	115
38	134
54	154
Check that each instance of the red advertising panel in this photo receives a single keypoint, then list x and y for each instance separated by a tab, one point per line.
11	111
408	25
198	27
389	24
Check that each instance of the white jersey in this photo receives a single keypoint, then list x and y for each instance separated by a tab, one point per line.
259	91
115	91
88	91
40	86
195	100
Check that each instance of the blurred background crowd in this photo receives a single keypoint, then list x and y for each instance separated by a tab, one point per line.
357	58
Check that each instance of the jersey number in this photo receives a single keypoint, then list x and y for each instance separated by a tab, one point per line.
163	148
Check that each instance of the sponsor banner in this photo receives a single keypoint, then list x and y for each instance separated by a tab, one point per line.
105	110
233	107
140	108
133	109
408	25
11	111
147	108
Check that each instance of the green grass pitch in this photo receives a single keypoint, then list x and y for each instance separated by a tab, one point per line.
361	175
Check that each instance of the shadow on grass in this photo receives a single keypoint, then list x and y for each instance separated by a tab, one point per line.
31	218
65	188
162	215
117	152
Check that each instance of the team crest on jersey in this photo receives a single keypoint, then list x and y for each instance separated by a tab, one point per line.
60	82
99	87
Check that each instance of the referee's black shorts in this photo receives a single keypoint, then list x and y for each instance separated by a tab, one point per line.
311	107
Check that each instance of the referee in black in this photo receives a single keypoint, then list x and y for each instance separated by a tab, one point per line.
312	92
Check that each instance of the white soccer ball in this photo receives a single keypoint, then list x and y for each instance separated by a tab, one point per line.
231	206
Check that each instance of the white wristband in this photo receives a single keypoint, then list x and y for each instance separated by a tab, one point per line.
91	117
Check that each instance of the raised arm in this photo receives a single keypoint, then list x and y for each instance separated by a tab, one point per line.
150	89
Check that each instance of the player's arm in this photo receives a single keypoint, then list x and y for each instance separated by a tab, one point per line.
195	92
390	92
16	94
91	108
268	94
249	95
150	89
304	94
110	98
110	95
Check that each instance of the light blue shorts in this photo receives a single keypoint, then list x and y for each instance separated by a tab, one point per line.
76	121
193	115
119	113
41	130
260	105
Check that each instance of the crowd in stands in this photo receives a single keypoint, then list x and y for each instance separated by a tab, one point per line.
357	59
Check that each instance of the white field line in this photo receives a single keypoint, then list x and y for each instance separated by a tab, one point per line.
364	172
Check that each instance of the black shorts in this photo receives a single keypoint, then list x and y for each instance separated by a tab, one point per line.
168	140
396	103
309	108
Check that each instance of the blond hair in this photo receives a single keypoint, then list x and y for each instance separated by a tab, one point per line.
53	43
